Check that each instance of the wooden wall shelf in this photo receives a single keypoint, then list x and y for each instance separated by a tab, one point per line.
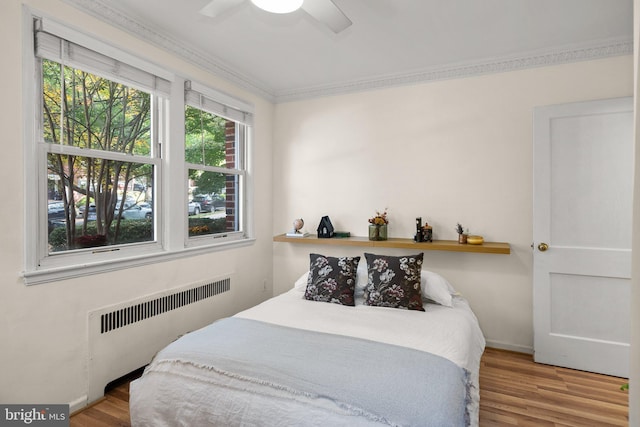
394	242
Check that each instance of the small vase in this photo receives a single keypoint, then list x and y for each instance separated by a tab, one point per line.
378	232
462	238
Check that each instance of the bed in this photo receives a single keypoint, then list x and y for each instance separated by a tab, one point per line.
305	359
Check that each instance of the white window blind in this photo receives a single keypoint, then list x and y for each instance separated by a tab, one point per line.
218	103
52	47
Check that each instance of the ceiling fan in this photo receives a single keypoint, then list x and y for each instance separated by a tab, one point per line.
325	11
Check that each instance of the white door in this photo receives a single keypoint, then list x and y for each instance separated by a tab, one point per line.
582	215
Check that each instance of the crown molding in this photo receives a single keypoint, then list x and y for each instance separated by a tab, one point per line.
568	54
563	55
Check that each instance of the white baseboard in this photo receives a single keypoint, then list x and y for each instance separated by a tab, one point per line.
78	404
511	347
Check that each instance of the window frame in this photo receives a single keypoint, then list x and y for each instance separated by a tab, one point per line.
42	267
214	102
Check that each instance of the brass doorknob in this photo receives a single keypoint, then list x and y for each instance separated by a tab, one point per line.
543	247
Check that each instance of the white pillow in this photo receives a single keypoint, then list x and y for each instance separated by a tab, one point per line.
301	283
362	278
436	288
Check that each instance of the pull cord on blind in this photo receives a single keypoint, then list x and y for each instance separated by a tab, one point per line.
239	112
52	47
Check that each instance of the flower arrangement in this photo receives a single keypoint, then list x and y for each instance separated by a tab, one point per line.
378	226
379	219
198	229
462	233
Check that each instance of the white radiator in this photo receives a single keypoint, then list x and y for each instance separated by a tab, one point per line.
124	337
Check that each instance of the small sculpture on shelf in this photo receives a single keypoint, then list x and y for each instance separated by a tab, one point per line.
325	228
424	233
297	225
297	229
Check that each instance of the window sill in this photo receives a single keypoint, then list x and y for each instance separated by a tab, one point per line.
54	274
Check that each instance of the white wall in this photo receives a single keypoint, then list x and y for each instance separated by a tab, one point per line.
448	151
43	328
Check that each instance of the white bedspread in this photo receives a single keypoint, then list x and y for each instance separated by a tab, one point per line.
450	332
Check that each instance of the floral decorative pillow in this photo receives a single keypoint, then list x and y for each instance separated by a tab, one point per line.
394	281
332	279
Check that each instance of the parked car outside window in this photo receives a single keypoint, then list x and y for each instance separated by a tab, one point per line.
56	210
219	202
139	211
193	208
206	202
92	215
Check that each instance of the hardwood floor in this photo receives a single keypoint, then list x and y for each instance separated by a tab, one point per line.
514	391
112	411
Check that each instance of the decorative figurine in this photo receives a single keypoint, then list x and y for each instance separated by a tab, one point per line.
427	233
297	225
297	229
424	233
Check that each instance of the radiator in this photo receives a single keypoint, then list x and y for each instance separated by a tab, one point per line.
124	337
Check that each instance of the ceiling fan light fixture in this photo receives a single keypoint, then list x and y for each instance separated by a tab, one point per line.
278	6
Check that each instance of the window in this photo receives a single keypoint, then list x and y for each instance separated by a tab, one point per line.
99	124
97	117
89	123
214	146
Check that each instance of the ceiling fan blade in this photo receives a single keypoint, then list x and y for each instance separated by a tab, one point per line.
328	13
218	7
